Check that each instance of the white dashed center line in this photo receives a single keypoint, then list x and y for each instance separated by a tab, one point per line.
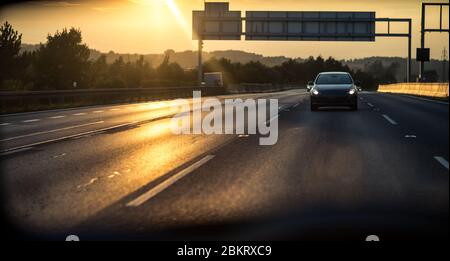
4	124
57	117
441	160
168	182
391	121
79	114
370	104
273	118
32	120
98	111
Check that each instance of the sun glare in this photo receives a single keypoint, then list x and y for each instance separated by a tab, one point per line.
163	12
178	15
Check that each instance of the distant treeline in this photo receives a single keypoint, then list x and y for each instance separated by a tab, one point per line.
294	72
63	63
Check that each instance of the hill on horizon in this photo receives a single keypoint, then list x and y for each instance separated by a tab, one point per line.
188	59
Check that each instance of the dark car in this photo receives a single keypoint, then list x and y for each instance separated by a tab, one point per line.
333	89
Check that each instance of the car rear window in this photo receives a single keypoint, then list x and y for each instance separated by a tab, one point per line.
334	79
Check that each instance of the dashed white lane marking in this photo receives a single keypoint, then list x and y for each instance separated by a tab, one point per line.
59	155
57	117
79	114
114	109
370	104
32	120
87	184
168	182
441	160
273	118
391	121
50	131
295	105
5	124
410	136
98	111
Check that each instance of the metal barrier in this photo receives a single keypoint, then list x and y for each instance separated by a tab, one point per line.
260	87
19	101
16	101
438	90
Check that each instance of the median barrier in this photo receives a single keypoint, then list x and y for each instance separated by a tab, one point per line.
436	90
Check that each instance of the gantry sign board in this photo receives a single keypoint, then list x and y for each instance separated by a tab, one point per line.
218	23
310	26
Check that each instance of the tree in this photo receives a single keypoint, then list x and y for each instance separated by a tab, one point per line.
10	42
99	73
62	60
169	70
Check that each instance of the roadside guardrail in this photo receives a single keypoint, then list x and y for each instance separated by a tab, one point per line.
18	101
260	87
22	101
436	90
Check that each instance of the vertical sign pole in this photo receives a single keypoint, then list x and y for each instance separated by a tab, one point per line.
200	62
408	73
422	42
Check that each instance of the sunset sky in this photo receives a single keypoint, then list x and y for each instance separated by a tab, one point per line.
152	26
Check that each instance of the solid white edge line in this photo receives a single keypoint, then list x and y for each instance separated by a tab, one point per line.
167	183
391	121
15	151
64	138
441	160
51	131
425	99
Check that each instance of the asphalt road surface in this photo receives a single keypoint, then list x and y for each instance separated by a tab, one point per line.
118	172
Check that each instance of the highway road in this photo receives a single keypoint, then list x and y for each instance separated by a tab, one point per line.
114	172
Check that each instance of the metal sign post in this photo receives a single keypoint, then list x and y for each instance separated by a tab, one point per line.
216	22
200	62
424	30
407	35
